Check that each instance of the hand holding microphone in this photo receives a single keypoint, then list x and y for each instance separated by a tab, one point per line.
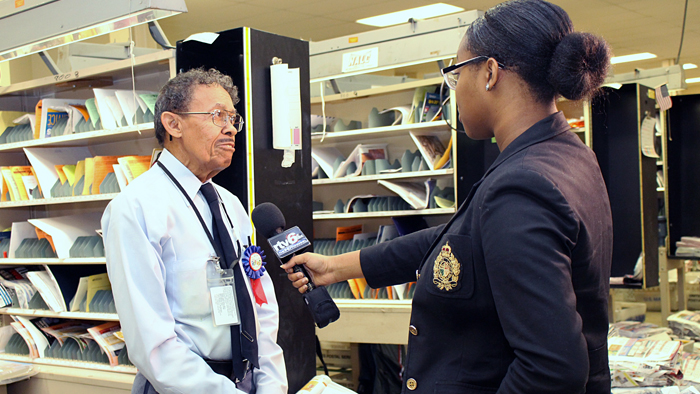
315	265
269	221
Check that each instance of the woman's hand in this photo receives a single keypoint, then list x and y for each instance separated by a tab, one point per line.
318	266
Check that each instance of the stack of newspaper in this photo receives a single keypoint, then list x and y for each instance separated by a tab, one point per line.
633	329
657	390
642	362
688	247
685	324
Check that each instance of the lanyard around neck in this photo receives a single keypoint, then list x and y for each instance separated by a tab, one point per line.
199	216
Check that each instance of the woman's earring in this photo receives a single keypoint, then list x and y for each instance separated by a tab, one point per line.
488	86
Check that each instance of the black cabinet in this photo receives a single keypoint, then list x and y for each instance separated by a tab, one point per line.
683	169
256	175
616	120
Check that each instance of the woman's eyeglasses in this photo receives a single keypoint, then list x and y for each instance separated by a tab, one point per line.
221	118
451	77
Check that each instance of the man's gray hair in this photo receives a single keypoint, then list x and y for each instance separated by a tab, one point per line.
176	94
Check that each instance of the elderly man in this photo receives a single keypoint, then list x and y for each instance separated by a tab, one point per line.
197	310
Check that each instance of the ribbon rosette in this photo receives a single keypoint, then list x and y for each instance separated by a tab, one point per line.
254	266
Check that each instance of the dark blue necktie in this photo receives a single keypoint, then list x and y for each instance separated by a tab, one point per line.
244	344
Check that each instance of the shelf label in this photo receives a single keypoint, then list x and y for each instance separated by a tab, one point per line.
66	76
360	60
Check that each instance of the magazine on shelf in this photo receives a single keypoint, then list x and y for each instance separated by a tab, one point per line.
130	102
21	330
110	343
326	157
133	166
46	285
431	147
415	193
18	181
80	295
65	230
25	119
401	116
354	199
53	109
36	340
347	233
44	161
22	289
417	103
111	114
121	176
19	232
431	107
77	330
317	120
359	156
95	283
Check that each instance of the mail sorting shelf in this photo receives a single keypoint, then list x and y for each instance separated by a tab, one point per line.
56	261
372	178
399	135
69	363
376	132
387	214
128	133
60	315
58	200
150	72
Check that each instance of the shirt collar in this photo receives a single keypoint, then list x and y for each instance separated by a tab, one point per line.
545	129
189	182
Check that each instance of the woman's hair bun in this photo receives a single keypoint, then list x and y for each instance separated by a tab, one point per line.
579	65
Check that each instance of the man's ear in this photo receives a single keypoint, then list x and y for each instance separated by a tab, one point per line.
172	124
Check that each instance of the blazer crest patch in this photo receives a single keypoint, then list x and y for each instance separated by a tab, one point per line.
446	269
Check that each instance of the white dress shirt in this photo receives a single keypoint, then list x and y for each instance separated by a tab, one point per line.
157	260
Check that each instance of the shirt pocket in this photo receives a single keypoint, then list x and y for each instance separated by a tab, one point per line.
189	290
450	267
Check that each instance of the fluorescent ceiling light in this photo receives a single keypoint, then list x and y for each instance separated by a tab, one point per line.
613	85
692	80
398	17
689	66
632	58
65	25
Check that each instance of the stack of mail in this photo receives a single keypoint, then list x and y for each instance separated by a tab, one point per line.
640	362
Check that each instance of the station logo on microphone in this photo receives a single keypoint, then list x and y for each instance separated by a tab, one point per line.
288	242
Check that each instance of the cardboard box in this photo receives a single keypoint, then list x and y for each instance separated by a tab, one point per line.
335	354
651	297
629	311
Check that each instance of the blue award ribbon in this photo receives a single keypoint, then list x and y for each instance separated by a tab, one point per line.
254	262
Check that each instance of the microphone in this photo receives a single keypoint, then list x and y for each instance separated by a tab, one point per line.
269	221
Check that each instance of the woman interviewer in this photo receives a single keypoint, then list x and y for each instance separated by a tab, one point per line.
511	294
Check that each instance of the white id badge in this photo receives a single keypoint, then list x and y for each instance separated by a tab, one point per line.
222	295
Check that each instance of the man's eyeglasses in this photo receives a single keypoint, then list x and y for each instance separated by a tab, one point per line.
449	72
221	118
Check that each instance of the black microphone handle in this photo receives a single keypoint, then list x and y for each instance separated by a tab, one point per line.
302	269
